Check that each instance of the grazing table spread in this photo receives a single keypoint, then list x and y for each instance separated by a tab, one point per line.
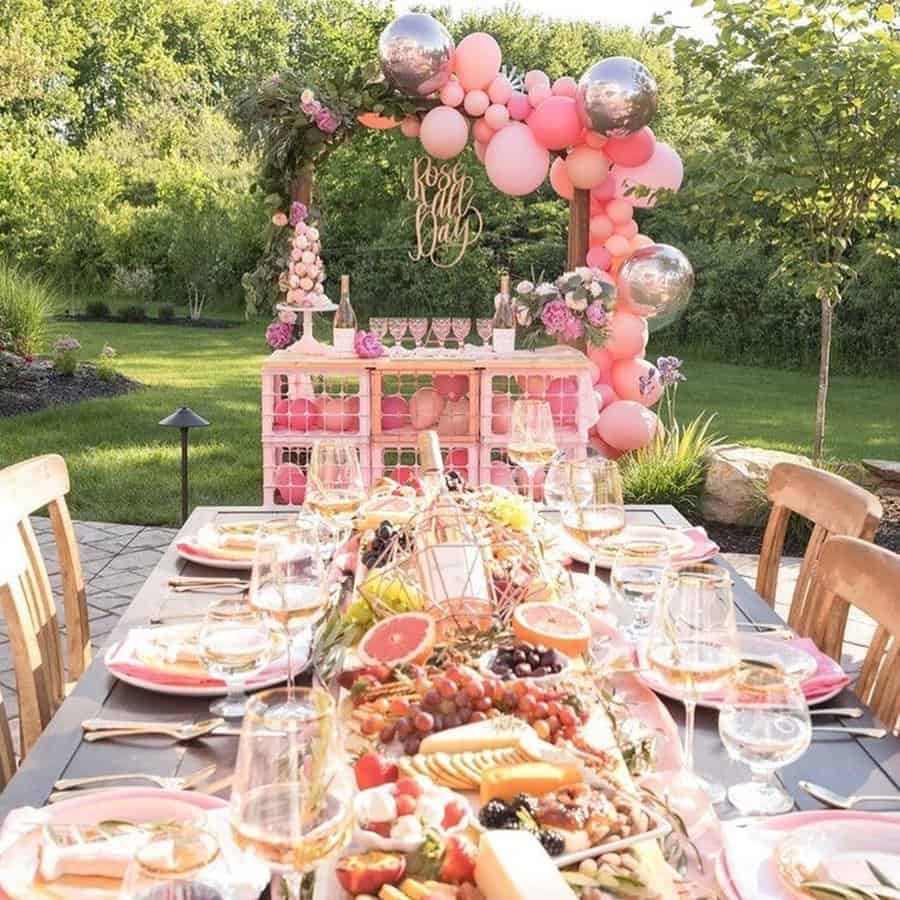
847	764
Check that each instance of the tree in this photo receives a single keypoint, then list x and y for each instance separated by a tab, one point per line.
808	92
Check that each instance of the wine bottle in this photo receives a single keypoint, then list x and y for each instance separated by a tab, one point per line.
504	335
431	463
344	320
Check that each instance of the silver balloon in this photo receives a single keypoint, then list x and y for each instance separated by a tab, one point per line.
416	54
616	96
658	281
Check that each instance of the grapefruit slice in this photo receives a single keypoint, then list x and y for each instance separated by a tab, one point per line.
407	638
553	626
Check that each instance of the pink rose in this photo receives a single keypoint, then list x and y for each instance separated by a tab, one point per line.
367	345
279	220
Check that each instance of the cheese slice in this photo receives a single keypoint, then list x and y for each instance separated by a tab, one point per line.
491	734
512	865
536	778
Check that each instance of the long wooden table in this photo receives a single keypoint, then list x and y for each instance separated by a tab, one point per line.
845	764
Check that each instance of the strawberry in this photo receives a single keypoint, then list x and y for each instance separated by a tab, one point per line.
458	864
409	786
372	770
453	814
382	828
406	804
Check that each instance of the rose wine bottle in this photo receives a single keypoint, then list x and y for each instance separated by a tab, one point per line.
344	320
504	334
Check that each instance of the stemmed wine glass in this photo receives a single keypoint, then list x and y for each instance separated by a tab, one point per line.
764	722
292	794
334	486
418	328
378	327
594	509
636	575
692	647
397	327
532	438
461	328
485	328
440	328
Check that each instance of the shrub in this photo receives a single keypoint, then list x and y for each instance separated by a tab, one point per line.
65	355
134	282
26	305
166	312
97	309
106	366
135	312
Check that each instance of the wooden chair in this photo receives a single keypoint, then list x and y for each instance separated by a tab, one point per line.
834	505
7	753
857	573
26	596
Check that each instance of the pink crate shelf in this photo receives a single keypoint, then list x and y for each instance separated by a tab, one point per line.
399	459
495	468
285	464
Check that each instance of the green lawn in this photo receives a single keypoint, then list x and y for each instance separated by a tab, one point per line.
124	467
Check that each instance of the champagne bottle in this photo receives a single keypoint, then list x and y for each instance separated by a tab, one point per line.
504	336
344	320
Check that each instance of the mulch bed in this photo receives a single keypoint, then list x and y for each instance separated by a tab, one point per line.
182	321
41	386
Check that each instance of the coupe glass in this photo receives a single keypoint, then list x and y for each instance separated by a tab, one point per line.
418	328
485	328
764	723
236	642
378	327
532	439
594	509
397	327
292	794
461	328
636	575
334	482
178	863
692	647
440	328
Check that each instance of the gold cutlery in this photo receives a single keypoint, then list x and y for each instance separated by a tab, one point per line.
843	712
191	581
852	729
839	801
101	729
181	783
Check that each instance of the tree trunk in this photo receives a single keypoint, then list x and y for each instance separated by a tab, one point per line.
301	186
579	229
824	368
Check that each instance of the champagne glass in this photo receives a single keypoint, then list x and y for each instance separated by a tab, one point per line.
692	647
397	327
764	723
485	328
461	328
378	327
594	509
180	862
636	576
236	643
532	439
440	328
418	328
334	483
292	794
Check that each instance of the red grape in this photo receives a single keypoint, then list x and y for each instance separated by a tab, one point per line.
477	716
404	729
527	705
567	716
474	689
411	746
542	711
431	699
446	688
386	735
399	706
484	704
446	706
553	724
424	722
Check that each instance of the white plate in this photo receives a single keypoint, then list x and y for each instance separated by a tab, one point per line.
484	666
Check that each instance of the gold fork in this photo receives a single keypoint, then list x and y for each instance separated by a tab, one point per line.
181	783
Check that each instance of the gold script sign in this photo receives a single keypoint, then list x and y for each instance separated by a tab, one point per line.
447	223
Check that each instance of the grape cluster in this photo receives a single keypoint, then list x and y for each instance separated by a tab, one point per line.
524	660
454	481
386	535
519	813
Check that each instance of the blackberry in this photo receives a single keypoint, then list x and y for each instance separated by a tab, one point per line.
552	841
495	814
385	531
523	801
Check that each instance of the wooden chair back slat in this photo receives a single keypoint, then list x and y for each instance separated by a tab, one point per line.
7	753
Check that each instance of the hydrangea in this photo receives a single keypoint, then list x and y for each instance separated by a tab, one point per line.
554	316
279	335
67	344
596	314
368	345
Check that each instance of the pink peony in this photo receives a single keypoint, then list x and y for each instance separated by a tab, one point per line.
279	220
367	345
298	212
596	314
327	121
287	316
573	329
554	316
279	335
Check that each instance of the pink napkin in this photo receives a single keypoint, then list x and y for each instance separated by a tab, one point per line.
829	676
703	547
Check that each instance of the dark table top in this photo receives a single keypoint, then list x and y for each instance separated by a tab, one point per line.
845	764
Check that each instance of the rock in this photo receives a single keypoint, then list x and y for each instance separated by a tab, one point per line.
885	470
734	492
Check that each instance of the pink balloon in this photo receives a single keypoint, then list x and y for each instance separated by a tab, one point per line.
500	90
604	449
628	230
617	245
305	415
497	116
598	258
538	94
522	481
559	178
341	414
411	126
518	106
633	149
290	484
565	87
627	425
502	475
536	77
516	164
607	394
586	167
477	60
280	411
452	93
555	123
394	412
562	395
627	335
476	102
602	357
451	386
601	227
604	191
638	241
594	140
626	380
444	132
619	211
501	413
664	170
482	131
480	150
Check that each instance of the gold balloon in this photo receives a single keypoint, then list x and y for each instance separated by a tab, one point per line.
416	54
657	281
616	96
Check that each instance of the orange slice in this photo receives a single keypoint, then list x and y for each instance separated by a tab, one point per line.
553	626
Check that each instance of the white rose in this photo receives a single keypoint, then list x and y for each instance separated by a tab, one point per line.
546	289
288	317
576	305
307	96
313	233
584	273
301	243
595	289
296	254
308	257
524	287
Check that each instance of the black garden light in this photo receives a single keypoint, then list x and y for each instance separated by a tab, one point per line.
185	419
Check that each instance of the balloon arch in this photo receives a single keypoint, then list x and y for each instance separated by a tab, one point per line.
607	162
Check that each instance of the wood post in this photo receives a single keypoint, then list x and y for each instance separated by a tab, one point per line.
301	186
579	228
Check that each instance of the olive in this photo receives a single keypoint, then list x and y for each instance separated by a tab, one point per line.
385	531
540	671
523	670
519	656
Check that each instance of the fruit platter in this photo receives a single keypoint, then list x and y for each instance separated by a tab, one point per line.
491	762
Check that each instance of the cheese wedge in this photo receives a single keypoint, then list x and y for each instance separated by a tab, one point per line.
533	778
491	734
512	865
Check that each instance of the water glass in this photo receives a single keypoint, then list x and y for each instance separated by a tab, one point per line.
532	438
461	328
485	328
397	328
418	328
636	576
378	327
440	328
764	722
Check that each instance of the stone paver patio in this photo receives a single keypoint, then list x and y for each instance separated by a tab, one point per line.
117	559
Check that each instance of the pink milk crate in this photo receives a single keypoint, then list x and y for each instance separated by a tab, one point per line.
494	467
409	396
320	397
563	380
285	466
399	459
